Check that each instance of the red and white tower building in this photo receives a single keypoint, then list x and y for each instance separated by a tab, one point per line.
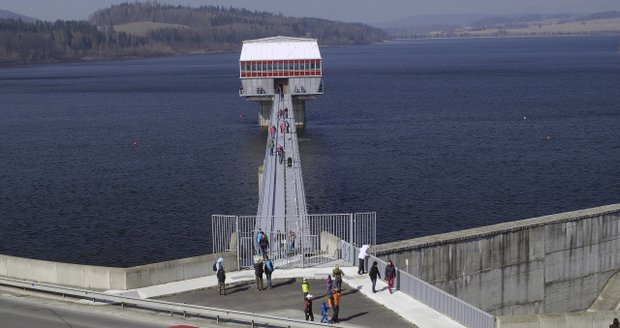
280	67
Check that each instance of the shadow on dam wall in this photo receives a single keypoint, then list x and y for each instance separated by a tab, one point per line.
550	264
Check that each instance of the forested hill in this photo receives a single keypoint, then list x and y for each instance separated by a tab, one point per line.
153	29
212	24
5	14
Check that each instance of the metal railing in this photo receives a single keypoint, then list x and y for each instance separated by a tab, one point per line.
267	197
318	238
217	314
437	299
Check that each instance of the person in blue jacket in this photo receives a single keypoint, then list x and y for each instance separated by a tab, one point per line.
268	271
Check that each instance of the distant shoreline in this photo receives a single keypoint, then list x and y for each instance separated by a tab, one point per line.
198	53
506	36
107	59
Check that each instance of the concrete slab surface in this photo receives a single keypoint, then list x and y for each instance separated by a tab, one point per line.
359	306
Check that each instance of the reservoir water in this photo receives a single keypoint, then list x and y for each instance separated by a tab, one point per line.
121	163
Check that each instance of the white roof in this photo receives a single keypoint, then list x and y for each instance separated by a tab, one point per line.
280	48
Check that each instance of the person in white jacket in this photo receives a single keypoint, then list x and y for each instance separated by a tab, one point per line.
362	257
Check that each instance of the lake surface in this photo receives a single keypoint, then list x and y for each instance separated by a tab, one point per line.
122	163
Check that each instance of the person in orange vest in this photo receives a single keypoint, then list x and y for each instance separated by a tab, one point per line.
334	303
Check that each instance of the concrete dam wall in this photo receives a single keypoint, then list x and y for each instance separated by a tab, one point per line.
550	264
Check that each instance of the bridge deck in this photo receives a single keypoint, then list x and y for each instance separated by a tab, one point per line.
282	198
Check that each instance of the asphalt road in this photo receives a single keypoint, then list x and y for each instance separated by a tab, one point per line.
286	300
27	311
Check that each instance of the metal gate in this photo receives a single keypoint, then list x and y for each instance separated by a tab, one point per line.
312	240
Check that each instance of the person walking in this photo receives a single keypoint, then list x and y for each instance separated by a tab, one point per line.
268	271
390	274
264	244
271	145
338	273
259	237
615	324
217	264
324	313
281	243
291	240
258	271
308	307
334	303
281	153
221	280
362	257
373	273
305	287
329	283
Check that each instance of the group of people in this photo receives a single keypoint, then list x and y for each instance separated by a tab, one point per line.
284	128
389	275
263	266
283	113
373	273
283	244
333	299
334	288
280	149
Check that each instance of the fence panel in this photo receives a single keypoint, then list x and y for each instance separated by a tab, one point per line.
248	246
365	227
327	233
224	233
312	240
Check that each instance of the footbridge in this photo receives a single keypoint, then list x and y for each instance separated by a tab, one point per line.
281	197
281	74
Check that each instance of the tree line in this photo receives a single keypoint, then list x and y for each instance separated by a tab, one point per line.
23	42
209	28
499	33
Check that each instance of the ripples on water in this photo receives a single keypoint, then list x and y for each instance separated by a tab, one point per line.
122	163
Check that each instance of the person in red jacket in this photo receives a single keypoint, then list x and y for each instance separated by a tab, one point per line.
308	307
390	274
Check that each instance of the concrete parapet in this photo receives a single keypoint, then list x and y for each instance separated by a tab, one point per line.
555	263
176	270
105	278
74	275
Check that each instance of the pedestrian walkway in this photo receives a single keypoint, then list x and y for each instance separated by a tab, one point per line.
411	310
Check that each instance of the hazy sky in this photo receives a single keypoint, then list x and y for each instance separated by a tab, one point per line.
367	11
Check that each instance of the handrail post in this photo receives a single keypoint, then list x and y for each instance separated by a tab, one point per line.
238	243
351	241
301	245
